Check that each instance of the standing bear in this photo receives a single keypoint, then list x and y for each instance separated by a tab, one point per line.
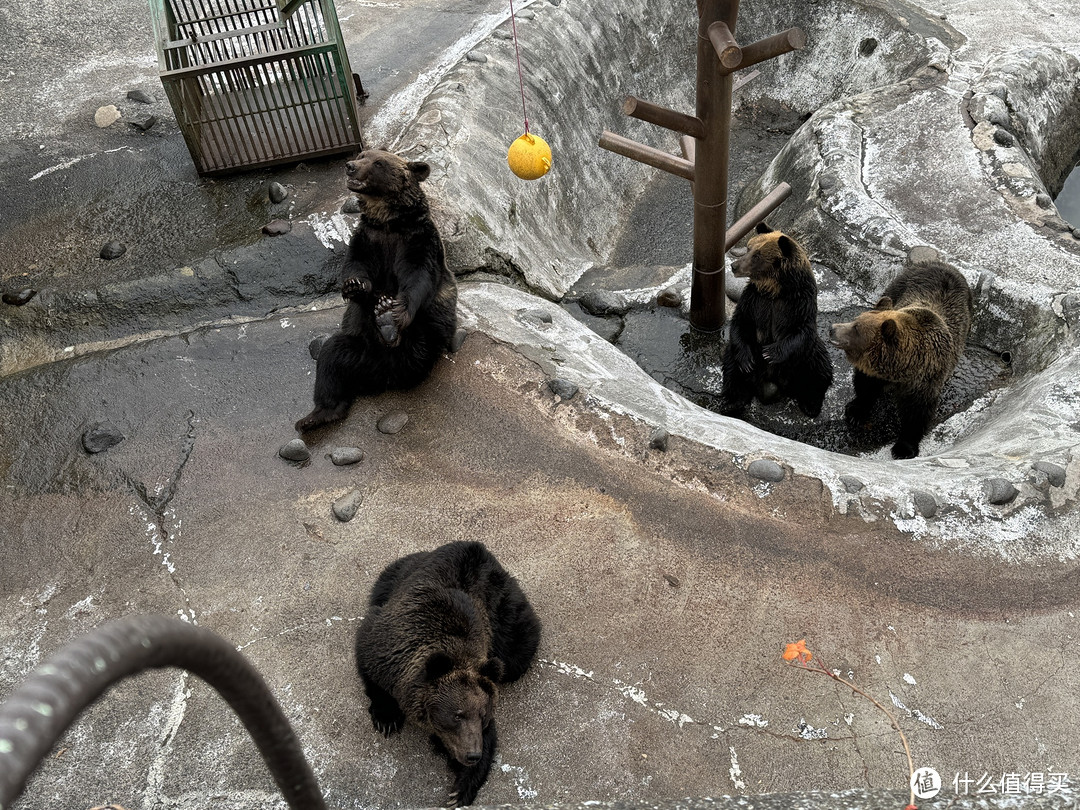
909	343
402	308
773	345
444	630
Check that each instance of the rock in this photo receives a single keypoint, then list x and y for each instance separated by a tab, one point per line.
526	15
923	253
112	250
738	252
1044	200
925	503
1055	473
999	491
149	123
851	484
276	192
346	507
538	315
106	116
734	286
659	440
669	298
672	580
562	388
458	339
1004	137
315	346
475	56
827	181
351	205
603	303
344	456
17	299
277	227
392	422
100	436
140	96
501	34
766	470
296	450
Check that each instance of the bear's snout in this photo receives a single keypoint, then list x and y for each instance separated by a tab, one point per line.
473	757
351	167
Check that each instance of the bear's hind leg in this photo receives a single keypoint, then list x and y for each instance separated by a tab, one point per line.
340	363
738	387
468	779
916	412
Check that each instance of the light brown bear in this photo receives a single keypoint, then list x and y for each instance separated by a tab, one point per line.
909	343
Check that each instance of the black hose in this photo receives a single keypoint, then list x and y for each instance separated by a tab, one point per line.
40	710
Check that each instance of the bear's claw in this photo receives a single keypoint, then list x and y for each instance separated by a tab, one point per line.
354	287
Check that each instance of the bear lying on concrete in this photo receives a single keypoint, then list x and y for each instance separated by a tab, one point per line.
445	628
773	344
402	307
909	343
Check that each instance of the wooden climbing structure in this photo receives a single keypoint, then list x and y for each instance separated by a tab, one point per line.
705	145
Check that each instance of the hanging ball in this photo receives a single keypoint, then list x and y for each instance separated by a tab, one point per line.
529	157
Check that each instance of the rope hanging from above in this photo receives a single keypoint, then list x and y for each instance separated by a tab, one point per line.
529	156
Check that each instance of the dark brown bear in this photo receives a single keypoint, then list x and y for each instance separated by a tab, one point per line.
773	344
402	307
909	343
444	629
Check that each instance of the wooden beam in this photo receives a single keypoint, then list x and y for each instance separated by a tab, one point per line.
794	39
748	221
663	117
647	155
723	41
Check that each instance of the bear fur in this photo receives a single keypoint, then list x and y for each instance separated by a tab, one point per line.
444	630
909	344
402	309
773	344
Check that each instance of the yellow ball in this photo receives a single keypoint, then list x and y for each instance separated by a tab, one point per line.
529	157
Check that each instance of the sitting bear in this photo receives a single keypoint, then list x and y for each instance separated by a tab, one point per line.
445	628
773	343
910	342
402	307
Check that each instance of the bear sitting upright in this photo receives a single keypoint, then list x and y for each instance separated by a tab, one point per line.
444	629
911	342
773	344
402	307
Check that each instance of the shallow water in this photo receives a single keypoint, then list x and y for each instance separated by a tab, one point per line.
1068	200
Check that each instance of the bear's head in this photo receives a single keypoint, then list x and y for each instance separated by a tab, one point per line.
460	703
386	182
894	344
770	255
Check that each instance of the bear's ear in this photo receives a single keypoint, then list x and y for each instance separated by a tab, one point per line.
787	246
884	303
764	227
437	665
890	331
420	169
493	670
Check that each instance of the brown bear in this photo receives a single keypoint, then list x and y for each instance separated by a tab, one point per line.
402	309
909	343
773	343
444	630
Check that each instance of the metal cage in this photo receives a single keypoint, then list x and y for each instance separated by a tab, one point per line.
252	85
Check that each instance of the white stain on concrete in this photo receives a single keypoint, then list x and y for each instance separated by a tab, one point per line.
155	776
734	772
520	777
753	721
918	715
634	693
331	229
287	631
909	679
68	164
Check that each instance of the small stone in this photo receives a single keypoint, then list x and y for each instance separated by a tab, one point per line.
346	507
999	491
672	580
315	346
738	252
827	181
766	470
851	484
669	298
139	96
920	254
277	227
100	436
603	303
296	450
475	56
17	299
526	15
1055	473
734	287
501	34
1004	137
344	456
351	205
562	388
392	422
112	250
925	503
1044	200
106	116
276	192
458	339
659	440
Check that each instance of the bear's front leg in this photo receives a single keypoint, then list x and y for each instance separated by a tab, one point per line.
355	287
916	411
468	779
386	715
867	392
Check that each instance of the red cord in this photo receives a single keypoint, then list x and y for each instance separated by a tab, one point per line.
521	81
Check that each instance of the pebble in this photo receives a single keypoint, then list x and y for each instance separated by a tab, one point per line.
603	303
315	346
475	56
148	124
659	440
17	299
106	116
526	15
999	491
392	422
277	227
140	96
738	252
344	456
766	470
458	339
672	580
923	253
351	205
500	34
346	507
1055	473
669	298
562	388
101	436
112	250
827	181
296	450
925	503
851	484
277	192
1004	137
1044	200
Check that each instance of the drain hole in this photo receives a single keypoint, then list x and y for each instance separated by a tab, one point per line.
868	46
